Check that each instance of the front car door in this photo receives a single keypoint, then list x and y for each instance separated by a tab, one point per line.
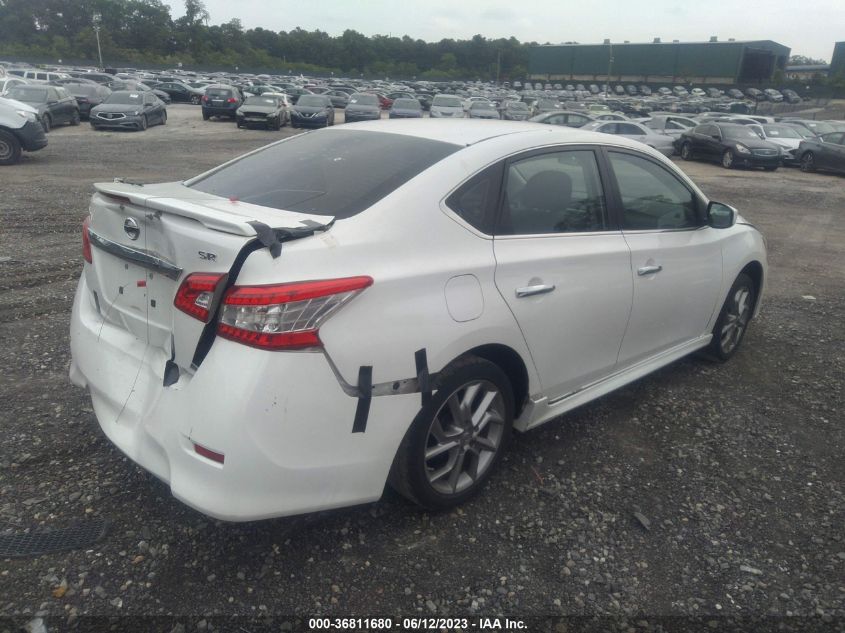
829	154
562	267
57	109
676	259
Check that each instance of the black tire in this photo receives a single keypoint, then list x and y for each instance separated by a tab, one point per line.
164	118
195	99
276	124
10	148
239	124
205	116
728	159
734	318
808	162
419	478
76	118
771	168
686	151
144	122
46	123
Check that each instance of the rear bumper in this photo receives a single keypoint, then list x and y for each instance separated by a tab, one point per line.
281	420
212	111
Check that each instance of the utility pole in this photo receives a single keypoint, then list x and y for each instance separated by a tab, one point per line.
498	65
609	67
96	21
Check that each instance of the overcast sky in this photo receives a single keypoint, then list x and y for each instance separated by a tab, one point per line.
808	27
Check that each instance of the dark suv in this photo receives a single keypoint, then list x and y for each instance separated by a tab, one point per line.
221	101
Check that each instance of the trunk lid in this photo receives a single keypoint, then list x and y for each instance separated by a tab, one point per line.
147	238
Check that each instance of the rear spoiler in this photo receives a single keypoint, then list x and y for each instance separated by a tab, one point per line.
215	212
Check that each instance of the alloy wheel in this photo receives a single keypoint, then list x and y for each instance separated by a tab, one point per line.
6	150
464	437
736	319
808	162
728	159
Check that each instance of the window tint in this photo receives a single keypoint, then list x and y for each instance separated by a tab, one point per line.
652	198
325	173
835	138
473	200
558	192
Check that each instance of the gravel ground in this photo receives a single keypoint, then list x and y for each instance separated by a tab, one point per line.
704	490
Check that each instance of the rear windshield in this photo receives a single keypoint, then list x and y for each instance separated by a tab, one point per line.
407	103
325	173
23	93
218	92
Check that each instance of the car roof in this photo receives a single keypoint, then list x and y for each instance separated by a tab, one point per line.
471	131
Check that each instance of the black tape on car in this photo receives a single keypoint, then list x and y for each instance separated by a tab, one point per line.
365	396
423	377
267	237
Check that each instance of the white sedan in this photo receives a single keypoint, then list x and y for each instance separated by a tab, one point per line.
291	330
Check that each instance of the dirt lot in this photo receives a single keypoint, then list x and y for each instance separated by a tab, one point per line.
737	470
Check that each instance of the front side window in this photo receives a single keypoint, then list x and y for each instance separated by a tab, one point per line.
557	192
835	138
652	197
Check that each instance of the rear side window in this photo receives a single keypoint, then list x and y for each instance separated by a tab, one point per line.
556	192
337	173
652	197
476	199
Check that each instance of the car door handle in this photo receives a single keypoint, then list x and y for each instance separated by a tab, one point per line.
648	270
530	291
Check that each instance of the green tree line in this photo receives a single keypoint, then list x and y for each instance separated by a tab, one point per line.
139	32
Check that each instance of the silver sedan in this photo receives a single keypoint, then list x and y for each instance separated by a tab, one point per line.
636	132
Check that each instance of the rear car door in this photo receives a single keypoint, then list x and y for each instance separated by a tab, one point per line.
562	267
829	155
628	130
676	259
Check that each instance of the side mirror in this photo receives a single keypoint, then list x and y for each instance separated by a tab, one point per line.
720	216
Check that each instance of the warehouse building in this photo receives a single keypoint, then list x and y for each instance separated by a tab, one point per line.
714	62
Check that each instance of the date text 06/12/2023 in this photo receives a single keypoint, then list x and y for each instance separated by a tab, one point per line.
416	624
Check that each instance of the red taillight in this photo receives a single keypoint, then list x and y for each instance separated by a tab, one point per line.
205	97
86	241
284	316
195	296
231	100
209	454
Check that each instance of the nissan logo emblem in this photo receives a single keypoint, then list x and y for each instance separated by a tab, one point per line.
130	226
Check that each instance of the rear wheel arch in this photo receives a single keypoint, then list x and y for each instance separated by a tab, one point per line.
513	366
